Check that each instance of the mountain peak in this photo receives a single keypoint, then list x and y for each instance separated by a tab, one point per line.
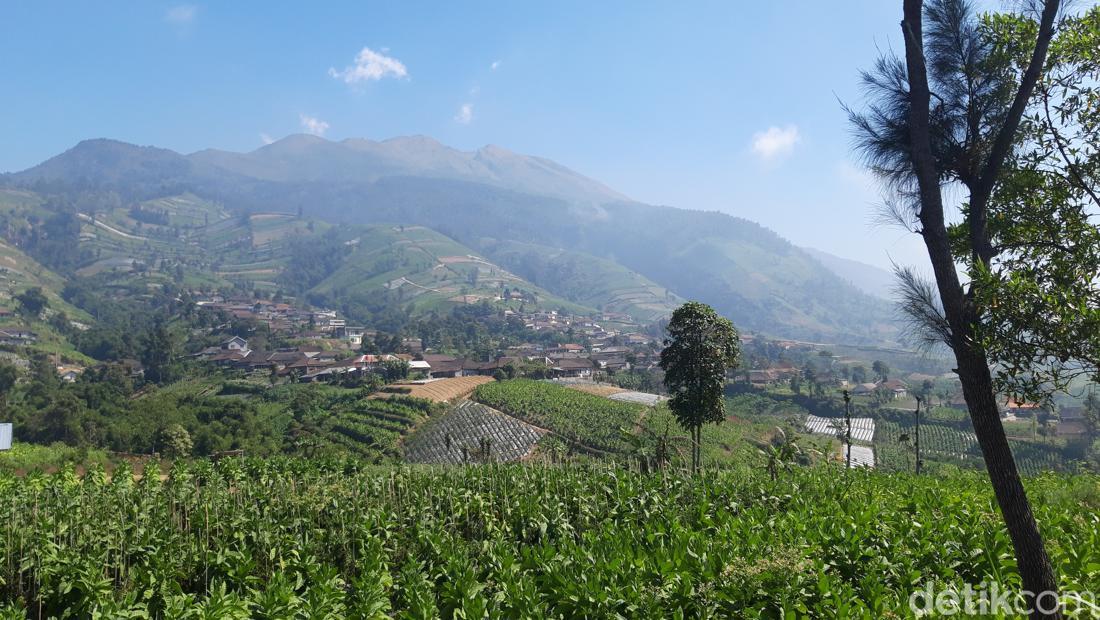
295	140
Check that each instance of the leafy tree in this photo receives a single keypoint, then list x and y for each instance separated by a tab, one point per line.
796	384
1092	413
32	302
700	348
8	376
62	421
859	374
395	370
881	396
881	370
158	353
924	390
949	113
175	441
780	451
809	374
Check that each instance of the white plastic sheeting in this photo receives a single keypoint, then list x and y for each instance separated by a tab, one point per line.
863	429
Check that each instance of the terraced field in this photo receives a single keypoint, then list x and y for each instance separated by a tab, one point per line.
935	438
461	435
596	389
364	427
437	391
587	420
941	443
640	398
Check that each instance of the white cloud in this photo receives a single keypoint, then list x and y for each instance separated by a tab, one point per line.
370	66
181	14
775	141
495	65
266	139
313	125
465	114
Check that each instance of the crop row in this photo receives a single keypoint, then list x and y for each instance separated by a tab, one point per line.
364	427
471	432
586	419
325	539
933	438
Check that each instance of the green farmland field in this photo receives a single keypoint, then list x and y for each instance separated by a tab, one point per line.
335	539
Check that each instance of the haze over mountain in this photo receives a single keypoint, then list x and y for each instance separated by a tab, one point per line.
867	278
530	215
303	157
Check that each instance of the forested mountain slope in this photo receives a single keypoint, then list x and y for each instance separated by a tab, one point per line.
746	271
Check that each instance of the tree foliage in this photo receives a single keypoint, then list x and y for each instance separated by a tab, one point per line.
1040	297
32	301
700	348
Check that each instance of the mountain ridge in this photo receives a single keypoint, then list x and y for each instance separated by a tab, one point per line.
747	271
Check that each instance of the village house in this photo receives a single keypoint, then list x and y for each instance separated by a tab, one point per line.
897	387
17	336
236	343
1071	422
354	335
762	378
1021	410
864	389
69	374
442	366
572	367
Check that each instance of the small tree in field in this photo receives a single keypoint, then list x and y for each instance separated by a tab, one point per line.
176	442
700	348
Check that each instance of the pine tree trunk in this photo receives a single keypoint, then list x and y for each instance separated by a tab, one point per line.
1034	564
1036	571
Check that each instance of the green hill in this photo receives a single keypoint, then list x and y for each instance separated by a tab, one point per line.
187	241
585	279
428	271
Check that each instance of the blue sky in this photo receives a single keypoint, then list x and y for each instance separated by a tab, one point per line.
729	106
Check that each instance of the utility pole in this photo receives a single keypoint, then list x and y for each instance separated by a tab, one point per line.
848	433
918	435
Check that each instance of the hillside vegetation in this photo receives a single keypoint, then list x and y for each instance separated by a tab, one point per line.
745	271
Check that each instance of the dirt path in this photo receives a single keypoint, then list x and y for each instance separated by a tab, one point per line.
116	231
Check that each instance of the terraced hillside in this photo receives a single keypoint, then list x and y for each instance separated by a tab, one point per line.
471	432
429	271
946	443
366	427
197	243
744	270
586	279
437	391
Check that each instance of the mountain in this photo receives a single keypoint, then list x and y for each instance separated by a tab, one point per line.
867	278
490	200
306	158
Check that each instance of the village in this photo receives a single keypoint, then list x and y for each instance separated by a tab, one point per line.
329	348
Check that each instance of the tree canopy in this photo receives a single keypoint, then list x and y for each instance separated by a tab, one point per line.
700	347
